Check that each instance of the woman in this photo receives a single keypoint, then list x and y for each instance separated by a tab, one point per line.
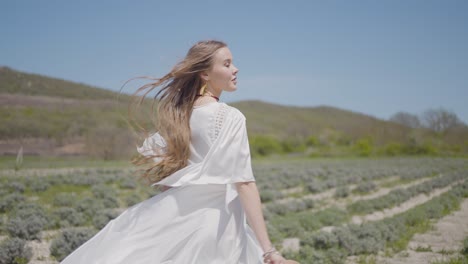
201	157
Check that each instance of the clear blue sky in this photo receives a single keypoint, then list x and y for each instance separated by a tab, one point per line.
374	57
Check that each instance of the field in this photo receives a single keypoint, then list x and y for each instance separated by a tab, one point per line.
356	210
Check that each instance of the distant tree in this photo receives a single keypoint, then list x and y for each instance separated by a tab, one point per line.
108	142
406	119
440	120
363	147
264	145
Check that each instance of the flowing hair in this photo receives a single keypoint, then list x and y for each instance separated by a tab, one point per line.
175	101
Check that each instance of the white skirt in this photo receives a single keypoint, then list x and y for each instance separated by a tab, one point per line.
183	225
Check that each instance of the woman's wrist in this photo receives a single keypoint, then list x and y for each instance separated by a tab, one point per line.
267	246
269	251
267	255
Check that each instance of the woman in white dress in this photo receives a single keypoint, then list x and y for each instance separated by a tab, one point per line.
201	158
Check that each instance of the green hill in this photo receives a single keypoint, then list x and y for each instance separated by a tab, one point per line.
15	82
301	122
50	116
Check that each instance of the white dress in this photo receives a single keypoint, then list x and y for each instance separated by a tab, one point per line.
200	219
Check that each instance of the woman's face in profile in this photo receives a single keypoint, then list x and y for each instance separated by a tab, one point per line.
222	75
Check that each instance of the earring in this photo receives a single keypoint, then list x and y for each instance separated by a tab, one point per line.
202	90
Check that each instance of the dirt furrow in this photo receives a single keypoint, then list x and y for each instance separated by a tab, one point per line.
326	199
40	249
407	205
441	243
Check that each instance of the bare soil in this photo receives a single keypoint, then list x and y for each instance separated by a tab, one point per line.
375	216
443	242
40	249
407	205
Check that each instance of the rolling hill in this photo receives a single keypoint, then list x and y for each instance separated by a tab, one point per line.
60	114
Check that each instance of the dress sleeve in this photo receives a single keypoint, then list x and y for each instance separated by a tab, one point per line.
153	145
231	156
228	160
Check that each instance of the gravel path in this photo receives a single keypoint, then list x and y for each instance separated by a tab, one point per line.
328	200
40	249
405	206
441	243
389	212
290	243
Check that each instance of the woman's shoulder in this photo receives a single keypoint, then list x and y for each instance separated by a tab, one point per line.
218	113
232	111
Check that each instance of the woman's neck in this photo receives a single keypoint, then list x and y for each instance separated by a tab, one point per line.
210	93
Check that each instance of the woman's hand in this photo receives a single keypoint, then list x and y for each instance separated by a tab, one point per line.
274	258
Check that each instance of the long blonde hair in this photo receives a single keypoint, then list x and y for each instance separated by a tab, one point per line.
175	102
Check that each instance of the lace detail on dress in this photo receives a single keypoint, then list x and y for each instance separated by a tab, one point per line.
218	120
153	145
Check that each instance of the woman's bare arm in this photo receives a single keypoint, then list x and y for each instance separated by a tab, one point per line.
251	203
250	200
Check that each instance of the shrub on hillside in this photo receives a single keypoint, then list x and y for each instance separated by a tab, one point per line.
266	214
330	216
103	217
464	250
14	251
273	233
264	146
388	229
88	178
66	217
28	228
395	197
150	192
365	187
17	187
127	183
341	192
277	208
308	222
107	195
418	149
64	200
308	254
290	206
321	240
335	255
27	221
312	141
393	149
69	240
346	240
132	199
330	183
288	227
314	186
368	237
9	201
269	195
309	203
363	147
38	185
89	206
290	145
28	209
